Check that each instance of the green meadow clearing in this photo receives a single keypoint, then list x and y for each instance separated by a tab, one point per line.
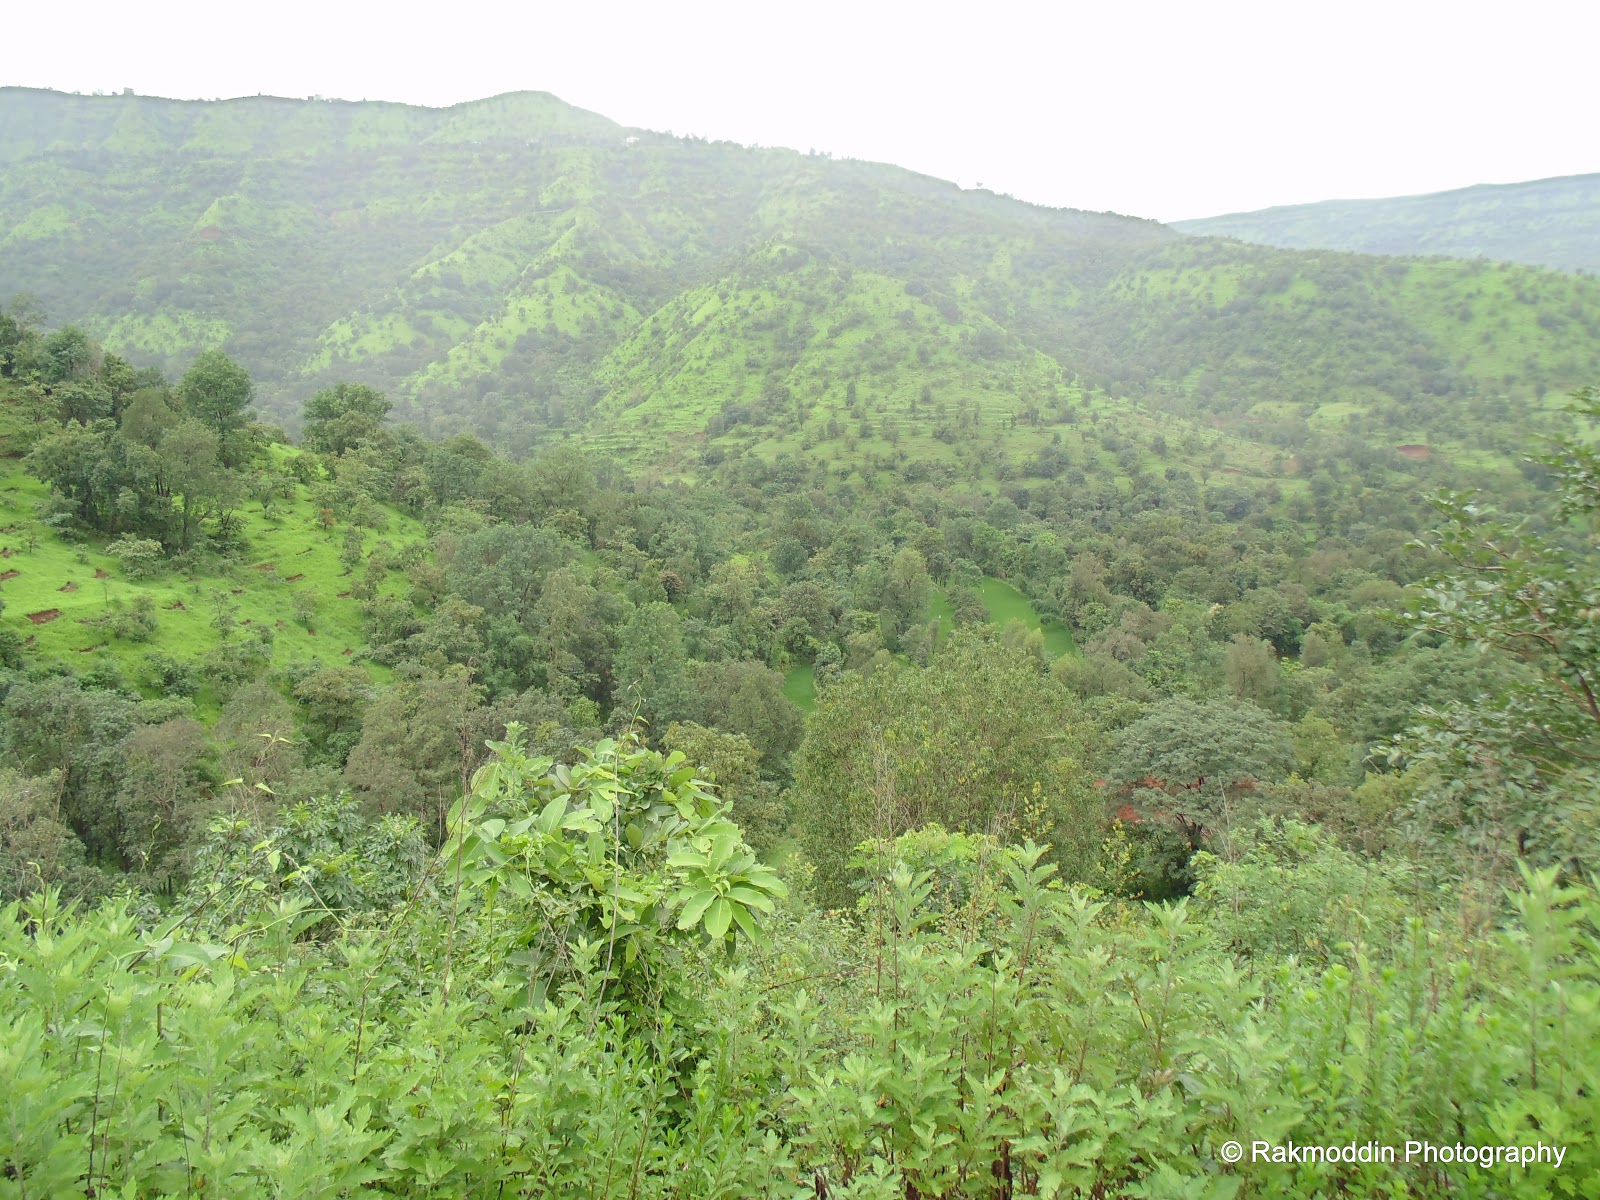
65	598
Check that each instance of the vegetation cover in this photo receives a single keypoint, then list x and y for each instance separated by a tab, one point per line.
983	802
526	271
1544	222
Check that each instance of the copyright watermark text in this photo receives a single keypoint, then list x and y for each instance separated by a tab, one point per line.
1423	1153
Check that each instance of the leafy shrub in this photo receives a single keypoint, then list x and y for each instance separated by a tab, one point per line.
1289	888
140	558
170	676
1071	1048
624	850
133	623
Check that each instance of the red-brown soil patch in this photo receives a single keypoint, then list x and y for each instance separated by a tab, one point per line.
7	552
100	574
68	586
266	566
347	654
1232	471
45	617
292	578
210	234
344	595
177	606
1420	453
5	575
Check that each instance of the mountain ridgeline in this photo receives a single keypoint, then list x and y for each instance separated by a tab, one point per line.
1543	222
522	269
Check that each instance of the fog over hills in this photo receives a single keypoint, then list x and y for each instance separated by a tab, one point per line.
1543	222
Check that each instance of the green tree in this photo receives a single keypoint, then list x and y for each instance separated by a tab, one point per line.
979	740
570	636
69	354
192	473
1251	669
342	417
420	742
57	726
84	401
748	698
13	335
335	699
149	413
652	668
905	595
732	762
216	391
1516	767
165	795
502	569
39	850
105	482
1183	757
10	643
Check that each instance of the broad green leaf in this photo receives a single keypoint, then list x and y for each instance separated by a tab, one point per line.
695	908
718	917
751	897
551	816
723	845
748	925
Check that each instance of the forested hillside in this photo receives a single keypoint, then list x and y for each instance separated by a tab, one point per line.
753	675
516	267
1544	223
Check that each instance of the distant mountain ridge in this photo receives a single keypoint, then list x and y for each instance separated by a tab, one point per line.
522	269
1543	222
36	122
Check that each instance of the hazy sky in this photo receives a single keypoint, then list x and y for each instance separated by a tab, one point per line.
1159	109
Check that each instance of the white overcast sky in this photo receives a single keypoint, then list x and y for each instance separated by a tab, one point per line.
1158	109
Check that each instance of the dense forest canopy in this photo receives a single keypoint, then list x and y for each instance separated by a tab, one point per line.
901	693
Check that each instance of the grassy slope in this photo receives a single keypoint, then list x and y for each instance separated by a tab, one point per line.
290	552
788	325
1006	604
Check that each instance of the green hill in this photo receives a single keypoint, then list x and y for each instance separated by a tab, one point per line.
525	270
287	595
1544	222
